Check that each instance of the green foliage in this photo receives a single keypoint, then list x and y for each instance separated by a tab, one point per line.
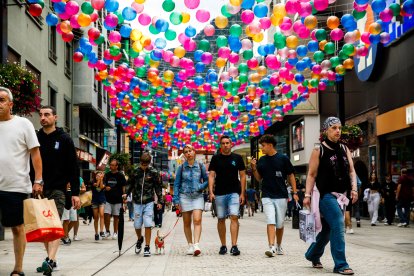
24	87
123	161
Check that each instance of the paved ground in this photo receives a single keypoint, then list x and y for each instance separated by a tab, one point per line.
380	250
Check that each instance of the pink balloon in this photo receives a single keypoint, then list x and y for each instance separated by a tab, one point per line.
72	8
360	8
386	15
292	7
265	23
74	22
144	19
167	55
114	37
234	58
337	34
305	9
137	7
224	52
247	16
192	4
209	30
97	4
316	69
321	5
202	16
286	24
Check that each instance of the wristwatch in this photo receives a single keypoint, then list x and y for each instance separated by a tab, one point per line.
39	181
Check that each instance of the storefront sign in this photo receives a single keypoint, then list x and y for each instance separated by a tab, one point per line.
399	25
85	156
409	115
104	161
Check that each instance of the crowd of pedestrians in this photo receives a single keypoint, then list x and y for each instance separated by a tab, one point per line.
48	160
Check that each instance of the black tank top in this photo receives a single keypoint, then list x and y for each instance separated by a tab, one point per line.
329	178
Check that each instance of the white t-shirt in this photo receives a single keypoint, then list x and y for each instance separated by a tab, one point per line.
17	137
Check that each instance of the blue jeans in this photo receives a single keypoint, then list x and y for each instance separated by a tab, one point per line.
403	215
332	231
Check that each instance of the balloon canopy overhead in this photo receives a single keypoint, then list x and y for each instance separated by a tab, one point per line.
190	95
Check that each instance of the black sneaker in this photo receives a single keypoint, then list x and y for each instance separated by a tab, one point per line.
96	237
138	246
223	250
47	267
40	268
102	234
66	241
234	250
147	252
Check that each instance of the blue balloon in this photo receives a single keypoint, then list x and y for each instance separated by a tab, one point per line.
378	5
313	46
265	83
408	6
270	49
299	77
129	13
59	7
200	67
260	10
301	65
374	39
107	61
125	30
234	43
293	61
111	5
301	50
247	4
261	50
190	31
160	43
161	25
197	55
243	102
212	77
199	80
361	2
156	54
52	19
347	20
351	26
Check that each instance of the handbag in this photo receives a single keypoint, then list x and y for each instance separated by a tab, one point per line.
41	220
86	199
307	230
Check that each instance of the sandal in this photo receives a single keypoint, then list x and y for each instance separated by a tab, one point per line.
21	273
345	271
317	265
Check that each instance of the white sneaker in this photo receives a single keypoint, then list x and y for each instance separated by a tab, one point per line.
107	235
190	250
55	266
271	251
196	249
279	250
402	224
75	238
349	230
114	236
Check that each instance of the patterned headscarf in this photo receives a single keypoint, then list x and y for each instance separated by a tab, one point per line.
330	121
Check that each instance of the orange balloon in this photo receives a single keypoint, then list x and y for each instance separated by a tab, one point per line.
84	20
332	22
292	41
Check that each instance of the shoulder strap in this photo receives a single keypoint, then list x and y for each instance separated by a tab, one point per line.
320	151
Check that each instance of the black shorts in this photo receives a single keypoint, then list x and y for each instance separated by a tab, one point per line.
11	208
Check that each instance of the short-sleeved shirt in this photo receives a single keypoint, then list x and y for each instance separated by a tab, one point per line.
116	181
251	195
227	169
274	171
17	138
407	184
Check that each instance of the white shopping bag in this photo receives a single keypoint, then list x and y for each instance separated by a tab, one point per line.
307	230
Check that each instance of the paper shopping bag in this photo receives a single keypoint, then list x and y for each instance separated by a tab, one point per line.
207	206
307	230
86	199
41	220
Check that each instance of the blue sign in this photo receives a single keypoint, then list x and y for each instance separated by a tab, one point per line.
398	26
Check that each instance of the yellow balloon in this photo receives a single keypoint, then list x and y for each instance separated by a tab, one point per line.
103	74
137	46
221	21
84	20
275	20
340	69
186	17
258	37
65	27
322	44
154	64
348	63
279	10
292	41
135	35
140	1
117	44
262	71
168	75
374	28
236	2
221	62
179	52
311	22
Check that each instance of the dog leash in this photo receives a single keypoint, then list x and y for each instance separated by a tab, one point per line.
175	224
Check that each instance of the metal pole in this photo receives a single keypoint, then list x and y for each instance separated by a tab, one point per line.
340	100
3	35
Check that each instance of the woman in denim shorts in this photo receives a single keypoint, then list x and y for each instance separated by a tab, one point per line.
98	204
190	181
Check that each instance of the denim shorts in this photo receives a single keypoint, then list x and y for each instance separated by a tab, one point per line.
190	202
112	209
275	210
143	213
227	205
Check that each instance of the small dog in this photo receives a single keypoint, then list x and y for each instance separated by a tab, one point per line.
159	243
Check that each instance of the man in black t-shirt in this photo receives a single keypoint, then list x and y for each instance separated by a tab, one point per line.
274	169
114	182
227	190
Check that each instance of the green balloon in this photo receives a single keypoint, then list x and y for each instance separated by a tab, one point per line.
114	50
153	30
329	48
170	34
320	34
168	5
247	54
243	68
342	55
279	40
120	17
132	53
358	15
396	9
236	84
100	40
203	45
176	18
348	48
236	30
141	71
335	61
318	56
41	3
87	8
314	82
243	77
225	11
221	41
227	85
234	91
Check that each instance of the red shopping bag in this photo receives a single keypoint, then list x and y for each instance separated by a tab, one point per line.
41	220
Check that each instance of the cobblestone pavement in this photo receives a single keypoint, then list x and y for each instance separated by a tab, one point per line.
380	250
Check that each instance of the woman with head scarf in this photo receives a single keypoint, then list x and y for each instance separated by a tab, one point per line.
332	169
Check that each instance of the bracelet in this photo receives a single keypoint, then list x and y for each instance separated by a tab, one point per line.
354	191
294	193
307	195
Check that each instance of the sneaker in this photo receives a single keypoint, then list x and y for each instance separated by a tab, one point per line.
373	224
102	234
75	238
358	223
66	241
107	234
349	230
197	250
279	250
96	237
234	250
223	250
190	249
271	251
40	268
114	236
47	267
55	266
147	252
138	246
402	224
